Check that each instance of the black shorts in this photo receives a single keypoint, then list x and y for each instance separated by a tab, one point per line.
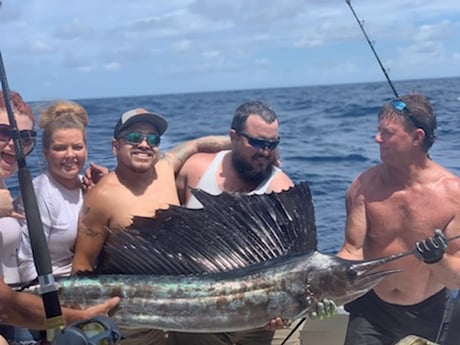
375	322
258	336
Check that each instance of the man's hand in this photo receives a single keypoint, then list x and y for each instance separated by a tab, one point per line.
276	323
92	176
324	309
432	249
103	308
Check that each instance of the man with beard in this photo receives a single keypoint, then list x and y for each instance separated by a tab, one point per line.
142	182
249	167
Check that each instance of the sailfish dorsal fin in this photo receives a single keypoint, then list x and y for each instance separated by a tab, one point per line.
231	231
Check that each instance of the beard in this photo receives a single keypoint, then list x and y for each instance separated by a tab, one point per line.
249	172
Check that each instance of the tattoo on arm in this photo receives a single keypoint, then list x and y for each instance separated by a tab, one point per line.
89	232
85	210
179	154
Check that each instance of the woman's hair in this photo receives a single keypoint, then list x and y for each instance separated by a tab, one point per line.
62	115
18	104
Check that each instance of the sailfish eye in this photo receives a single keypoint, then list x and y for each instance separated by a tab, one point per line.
351	273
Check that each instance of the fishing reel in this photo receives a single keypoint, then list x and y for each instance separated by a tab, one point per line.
96	331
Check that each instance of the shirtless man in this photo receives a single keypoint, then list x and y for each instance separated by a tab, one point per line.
393	207
143	182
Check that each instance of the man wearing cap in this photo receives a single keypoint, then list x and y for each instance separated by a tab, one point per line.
142	182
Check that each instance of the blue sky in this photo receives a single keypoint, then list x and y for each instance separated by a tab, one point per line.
107	48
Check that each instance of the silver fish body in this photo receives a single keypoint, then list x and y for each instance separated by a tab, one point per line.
230	301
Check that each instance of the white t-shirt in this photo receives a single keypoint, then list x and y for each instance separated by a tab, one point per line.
10	237
59	208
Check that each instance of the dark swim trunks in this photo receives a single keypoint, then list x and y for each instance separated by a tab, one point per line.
258	336
375	322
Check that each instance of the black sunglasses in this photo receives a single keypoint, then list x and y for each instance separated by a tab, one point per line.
401	106
259	143
135	138
27	137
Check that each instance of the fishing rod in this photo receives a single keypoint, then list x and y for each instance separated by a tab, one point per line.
48	289
360	23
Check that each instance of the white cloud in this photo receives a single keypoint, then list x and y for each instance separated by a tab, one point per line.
223	41
263	62
112	66
212	54
182	45
40	47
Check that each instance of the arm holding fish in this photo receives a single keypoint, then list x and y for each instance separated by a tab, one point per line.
323	310
92	231
442	257
440	254
26	310
356	225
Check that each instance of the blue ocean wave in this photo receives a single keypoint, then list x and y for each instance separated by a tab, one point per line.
327	132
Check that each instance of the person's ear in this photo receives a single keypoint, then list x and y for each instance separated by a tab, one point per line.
233	135
115	146
419	136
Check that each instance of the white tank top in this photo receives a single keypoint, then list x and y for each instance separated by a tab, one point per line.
208	181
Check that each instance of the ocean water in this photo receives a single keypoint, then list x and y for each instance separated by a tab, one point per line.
327	133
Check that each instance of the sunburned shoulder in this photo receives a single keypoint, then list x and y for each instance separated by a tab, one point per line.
106	187
369	175
449	181
198	162
281	182
201	158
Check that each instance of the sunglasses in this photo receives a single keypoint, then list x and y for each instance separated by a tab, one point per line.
404	110
27	137
135	138
261	144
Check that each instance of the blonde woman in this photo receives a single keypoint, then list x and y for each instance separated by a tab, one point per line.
21	309
58	190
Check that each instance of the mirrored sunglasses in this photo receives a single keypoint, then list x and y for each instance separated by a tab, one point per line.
401	106
135	138
261	144
27	137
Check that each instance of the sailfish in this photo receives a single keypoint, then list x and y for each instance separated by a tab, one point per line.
233	265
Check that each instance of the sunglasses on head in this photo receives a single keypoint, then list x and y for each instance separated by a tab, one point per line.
401	106
261	144
27	137
135	138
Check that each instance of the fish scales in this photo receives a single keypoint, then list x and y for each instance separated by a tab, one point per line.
229	301
191	303
210	270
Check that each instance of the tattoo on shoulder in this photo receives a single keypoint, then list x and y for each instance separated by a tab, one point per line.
89	232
